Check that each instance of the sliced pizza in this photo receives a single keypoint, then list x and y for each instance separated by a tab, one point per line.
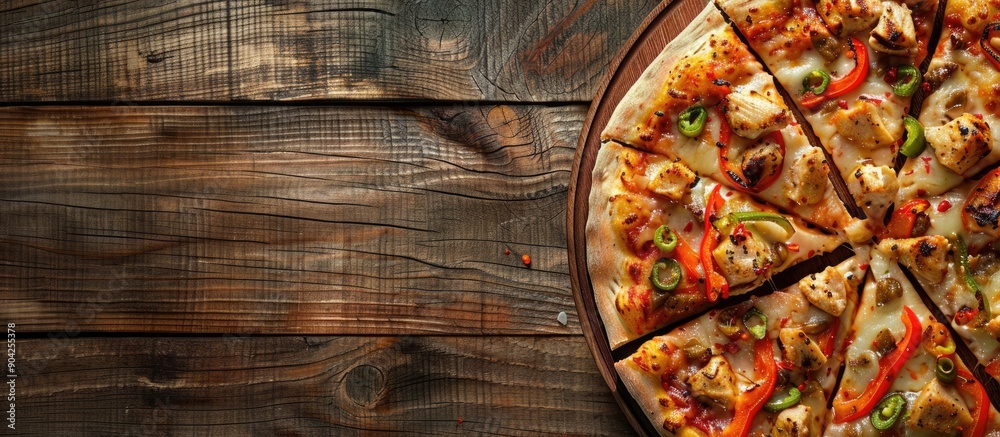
851	67
706	101
955	137
902	374
766	366
664	243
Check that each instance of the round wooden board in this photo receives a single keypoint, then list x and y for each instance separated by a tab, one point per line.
659	28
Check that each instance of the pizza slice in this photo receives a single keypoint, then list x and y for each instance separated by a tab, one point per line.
902	375
766	366
652	217
948	243
852	67
706	101
955	137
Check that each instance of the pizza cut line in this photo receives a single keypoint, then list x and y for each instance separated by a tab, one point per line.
707	184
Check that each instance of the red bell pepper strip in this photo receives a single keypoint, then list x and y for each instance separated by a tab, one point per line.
827	339
904	218
687	259
991	31
736	178
750	402
715	283
967	383
888	367
845	84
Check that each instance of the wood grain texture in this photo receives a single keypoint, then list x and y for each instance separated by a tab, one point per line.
310	49
306	386
319	220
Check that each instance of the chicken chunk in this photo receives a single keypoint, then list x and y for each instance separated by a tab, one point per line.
939	408
760	162
894	34
961	143
845	17
751	113
715	382
672	180
808	178
874	188
800	349
827	290
993	327
982	208
792	422
862	124
926	257
743	259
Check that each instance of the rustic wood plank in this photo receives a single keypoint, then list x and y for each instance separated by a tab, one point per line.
320	220
310	49
312	386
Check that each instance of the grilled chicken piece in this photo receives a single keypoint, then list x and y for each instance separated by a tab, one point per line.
761	161
808	178
800	349
939	408
993	327
715	382
792	422
862	124
926	256
894	34
981	212
845	17
961	143
874	188
672	180
743	259
827	290
752	114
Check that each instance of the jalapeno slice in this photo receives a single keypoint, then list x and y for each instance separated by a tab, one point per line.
909	79
945	370
757	329
816	81
665	239
789	401
728	222
914	144
666	274
692	121
888	411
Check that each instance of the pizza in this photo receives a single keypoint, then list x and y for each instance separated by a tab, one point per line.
673	242
767	361
764	137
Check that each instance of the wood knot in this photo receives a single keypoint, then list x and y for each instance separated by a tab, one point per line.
504	121
443	22
364	384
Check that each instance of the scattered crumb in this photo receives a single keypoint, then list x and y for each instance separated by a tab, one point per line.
506	251
526	259
562	318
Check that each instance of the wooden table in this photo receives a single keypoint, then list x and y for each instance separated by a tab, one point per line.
297	217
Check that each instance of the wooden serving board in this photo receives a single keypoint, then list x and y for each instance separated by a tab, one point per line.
663	24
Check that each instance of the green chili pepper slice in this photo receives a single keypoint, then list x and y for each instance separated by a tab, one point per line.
888	411
692	121
908	82
963	260
945	370
666	243
666	274
816	81
757	330
915	142
776	405
726	224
